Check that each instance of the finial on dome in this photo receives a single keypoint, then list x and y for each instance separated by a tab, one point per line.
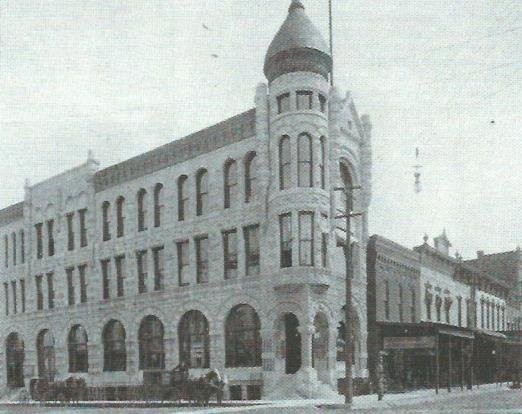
296	4
425	238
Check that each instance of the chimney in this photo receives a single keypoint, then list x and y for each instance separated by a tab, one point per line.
480	254
442	244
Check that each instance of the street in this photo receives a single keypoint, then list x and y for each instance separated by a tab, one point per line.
487	399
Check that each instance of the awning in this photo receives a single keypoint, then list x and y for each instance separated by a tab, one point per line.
458	333
493	334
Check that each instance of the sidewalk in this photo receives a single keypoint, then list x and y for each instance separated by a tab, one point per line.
390	401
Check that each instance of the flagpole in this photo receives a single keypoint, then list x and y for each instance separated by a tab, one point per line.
330	20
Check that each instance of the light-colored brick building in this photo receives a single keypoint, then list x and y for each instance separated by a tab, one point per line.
220	249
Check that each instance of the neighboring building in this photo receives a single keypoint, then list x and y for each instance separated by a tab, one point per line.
220	250
439	320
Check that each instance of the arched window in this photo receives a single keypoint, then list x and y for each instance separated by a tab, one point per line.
194	340
106	216
158	204
142	210
243	340
250	176
78	352
114	352
46	355
151	346
14	354
322	158
201	192
182	197
304	155
120	216
230	180
284	163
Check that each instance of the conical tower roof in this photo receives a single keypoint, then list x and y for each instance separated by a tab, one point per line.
297	46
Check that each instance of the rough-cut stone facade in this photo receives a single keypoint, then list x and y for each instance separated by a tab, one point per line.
313	294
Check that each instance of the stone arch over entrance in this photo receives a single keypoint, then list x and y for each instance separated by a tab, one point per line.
15	355
289	343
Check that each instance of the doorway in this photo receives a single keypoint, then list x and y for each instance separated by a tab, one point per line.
292	344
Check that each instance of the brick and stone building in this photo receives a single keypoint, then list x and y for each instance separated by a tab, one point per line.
439	320
219	250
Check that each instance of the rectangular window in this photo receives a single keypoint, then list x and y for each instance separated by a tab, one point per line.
230	253
13	288
120	275
322	103
183	262
105	268
50	291
386	300
70	285
82	270
285	232
39	240
413	306
304	100
22	294
6	291
306	238
70	231
39	293
159	267
324	249
201	259
252	250
6	251
283	103
141	259
50	237
82	214
400	303
13	242
22	246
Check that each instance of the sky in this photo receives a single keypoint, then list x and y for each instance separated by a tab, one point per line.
121	77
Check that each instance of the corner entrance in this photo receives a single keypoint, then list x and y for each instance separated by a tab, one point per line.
292	344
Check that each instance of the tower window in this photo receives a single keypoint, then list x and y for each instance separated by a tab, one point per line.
304	100
83	229
322	103
283	103
285	229
306	238
304	160
284	163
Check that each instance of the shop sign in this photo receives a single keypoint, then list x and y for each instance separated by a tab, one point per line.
409	342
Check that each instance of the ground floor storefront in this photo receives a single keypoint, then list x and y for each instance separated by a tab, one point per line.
417	356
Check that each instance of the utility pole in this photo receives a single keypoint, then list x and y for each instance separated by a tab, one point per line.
348	345
330	21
